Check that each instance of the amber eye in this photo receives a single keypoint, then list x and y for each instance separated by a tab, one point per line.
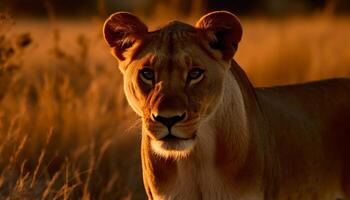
195	75
147	75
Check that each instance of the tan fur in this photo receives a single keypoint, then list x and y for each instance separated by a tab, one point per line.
238	142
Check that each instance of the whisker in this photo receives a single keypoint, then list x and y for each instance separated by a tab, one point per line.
133	127
188	123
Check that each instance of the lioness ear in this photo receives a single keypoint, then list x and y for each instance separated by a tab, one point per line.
226	29
121	30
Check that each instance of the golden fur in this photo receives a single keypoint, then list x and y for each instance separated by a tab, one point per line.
235	141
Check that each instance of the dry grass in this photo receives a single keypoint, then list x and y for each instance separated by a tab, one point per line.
64	123
296	49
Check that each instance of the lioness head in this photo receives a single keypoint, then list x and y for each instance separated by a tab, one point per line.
173	76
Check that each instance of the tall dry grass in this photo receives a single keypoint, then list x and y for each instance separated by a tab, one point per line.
65	125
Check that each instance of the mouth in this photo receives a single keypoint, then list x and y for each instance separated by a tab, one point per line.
172	138
173	146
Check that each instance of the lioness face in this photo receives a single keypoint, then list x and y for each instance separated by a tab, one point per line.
174	76
174	86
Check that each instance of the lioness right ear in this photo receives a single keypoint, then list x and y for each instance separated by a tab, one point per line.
121	30
225	29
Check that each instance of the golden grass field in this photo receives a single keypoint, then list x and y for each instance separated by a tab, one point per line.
66	131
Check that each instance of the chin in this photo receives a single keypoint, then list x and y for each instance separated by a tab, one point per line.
173	148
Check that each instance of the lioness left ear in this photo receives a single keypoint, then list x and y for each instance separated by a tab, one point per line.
227	31
121	30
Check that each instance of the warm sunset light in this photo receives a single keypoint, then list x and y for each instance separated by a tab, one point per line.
71	113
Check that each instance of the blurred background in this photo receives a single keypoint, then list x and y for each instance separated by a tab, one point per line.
181	7
66	131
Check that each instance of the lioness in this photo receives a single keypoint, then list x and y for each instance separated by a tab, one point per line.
208	134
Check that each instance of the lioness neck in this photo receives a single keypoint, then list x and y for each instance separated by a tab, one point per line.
224	162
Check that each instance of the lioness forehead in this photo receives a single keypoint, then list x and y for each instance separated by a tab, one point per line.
177	26
172	42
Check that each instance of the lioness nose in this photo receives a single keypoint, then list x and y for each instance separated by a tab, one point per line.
169	121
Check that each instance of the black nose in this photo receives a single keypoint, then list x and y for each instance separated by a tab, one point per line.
169	121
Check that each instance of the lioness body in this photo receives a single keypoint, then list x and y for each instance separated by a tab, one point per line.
311	129
208	134
309	126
